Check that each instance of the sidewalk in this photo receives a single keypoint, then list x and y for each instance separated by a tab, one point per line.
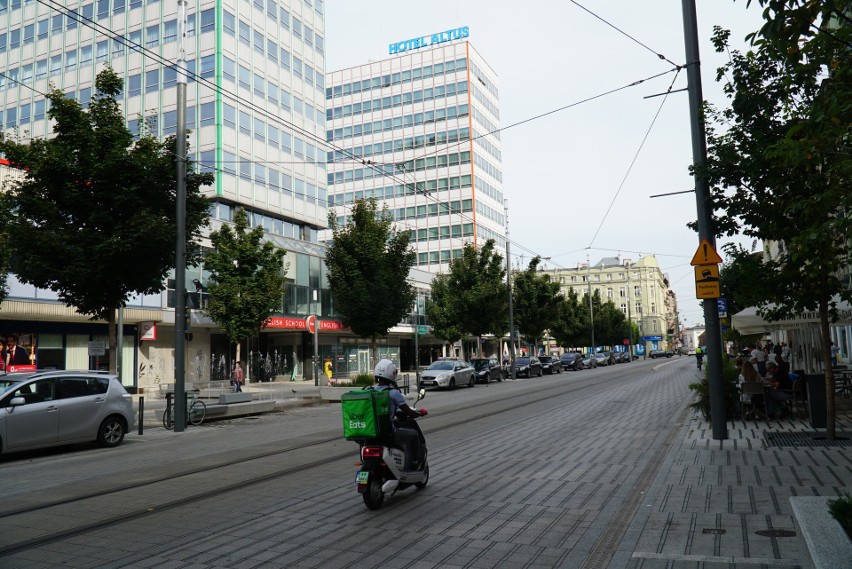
716	503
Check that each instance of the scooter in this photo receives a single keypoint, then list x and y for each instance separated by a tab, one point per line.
382	465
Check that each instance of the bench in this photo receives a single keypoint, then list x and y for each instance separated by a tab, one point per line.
241	397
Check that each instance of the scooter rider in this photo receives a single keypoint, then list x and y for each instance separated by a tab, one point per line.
385	375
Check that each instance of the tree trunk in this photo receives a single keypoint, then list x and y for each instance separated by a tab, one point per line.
236	357
374	353
111	334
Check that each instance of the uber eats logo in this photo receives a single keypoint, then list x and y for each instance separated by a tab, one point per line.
357	421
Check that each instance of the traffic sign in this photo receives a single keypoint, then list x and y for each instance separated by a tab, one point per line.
311	323
722	304
422	329
707	281
705	255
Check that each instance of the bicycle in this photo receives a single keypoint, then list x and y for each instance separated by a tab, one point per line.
196	410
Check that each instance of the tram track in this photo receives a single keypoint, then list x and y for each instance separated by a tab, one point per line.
266	465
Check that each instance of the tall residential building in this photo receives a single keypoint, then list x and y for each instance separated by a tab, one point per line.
256	111
638	288
419	132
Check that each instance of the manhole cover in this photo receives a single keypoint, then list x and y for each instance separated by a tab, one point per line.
807	439
713	531
776	533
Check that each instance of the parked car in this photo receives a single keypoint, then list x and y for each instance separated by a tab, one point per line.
44	409
527	367
447	373
654	354
605	358
589	360
550	364
572	360
623	357
487	369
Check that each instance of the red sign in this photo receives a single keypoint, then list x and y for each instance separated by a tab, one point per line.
626	342
21	368
302	324
311	323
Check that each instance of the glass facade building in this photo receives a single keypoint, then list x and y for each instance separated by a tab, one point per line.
419	132
255	109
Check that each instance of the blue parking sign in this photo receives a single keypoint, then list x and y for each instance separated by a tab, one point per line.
722	305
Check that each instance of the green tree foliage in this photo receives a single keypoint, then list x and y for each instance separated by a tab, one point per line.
536	301
572	323
5	242
94	218
368	264
472	297
780	162
246	284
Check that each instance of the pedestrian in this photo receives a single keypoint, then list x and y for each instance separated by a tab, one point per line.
834	351
237	377
327	369
758	359
785	352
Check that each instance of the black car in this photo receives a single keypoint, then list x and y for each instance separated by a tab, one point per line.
550	364
660	354
527	367
571	360
607	356
486	370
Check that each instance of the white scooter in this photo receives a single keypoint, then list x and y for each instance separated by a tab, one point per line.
382	465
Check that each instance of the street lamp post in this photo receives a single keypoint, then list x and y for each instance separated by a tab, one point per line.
509	283
591	309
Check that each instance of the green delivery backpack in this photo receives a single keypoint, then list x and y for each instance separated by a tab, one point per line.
365	414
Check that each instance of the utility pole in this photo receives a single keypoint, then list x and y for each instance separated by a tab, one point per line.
718	413
509	283
180	242
629	319
591	310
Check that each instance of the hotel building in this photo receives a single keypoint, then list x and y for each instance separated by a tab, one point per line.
418	131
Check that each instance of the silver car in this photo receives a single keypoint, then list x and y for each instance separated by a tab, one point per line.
447	373
42	409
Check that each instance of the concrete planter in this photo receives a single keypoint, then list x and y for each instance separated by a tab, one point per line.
827	543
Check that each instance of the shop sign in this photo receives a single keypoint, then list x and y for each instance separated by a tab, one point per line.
97	348
426	41
285	323
147	331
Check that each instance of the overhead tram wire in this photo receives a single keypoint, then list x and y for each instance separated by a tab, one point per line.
52	4
633	162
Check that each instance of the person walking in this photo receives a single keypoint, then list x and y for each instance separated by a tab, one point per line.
327	370
237	377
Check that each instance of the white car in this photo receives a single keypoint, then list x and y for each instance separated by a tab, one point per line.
43	409
447	374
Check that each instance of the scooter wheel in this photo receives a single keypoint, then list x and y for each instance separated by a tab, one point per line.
425	480
374	496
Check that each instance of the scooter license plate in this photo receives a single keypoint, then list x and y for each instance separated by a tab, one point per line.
361	476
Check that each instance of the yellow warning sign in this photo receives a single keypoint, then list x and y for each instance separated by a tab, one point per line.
705	255
707	282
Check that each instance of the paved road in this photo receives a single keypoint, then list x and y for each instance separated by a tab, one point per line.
598	468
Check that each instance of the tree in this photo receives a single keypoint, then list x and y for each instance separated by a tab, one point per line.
781	168
94	218
472	295
5	242
536	301
572	323
246	284
368	264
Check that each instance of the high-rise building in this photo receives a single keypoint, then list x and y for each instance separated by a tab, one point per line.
418	131
256	111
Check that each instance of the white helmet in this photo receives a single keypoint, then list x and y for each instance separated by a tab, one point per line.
385	369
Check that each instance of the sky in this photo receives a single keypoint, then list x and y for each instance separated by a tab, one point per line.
580	180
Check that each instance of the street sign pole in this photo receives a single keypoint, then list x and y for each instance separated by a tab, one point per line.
706	231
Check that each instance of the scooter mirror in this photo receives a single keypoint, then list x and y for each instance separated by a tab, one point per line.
421	394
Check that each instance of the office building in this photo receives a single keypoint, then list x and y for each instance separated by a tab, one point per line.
256	111
418	131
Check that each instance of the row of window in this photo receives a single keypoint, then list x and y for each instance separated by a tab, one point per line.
398	145
433	209
445	255
484	80
435	161
487	212
398	78
270	224
484	187
436	233
400	190
271	91
488	167
484	101
430	94
486	145
374	170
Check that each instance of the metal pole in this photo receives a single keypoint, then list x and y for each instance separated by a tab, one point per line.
706	230
316	339
417	341
591	310
180	242
512	371
629	317
118	341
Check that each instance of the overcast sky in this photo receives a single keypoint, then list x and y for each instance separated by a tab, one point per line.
578	181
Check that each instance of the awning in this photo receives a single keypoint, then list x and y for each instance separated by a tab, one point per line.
750	322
